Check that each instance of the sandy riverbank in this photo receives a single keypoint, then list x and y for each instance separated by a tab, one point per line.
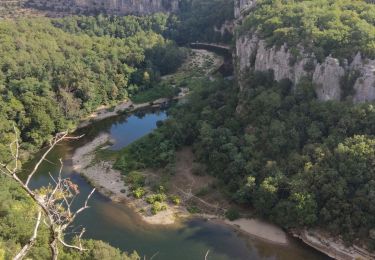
104	112
260	229
110	183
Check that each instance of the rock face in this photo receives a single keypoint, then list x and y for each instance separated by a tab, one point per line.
243	6
327	76
120	7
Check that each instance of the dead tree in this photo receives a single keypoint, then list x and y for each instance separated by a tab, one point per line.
54	201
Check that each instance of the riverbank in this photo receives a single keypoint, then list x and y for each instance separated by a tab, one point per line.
333	247
110	183
104	112
201	63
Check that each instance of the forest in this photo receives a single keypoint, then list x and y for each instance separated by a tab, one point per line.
53	72
297	161
72	63
275	148
339	28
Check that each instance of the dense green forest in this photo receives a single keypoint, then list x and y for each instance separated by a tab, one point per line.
341	28
197	20
295	160
53	72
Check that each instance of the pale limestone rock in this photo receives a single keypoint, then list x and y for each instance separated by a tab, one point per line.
365	84
227	26
242	6
252	53
246	47
327	77
120	7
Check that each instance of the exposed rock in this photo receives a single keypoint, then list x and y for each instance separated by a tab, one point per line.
280	60
365	84
119	7
327	77
253	53
226	27
243	6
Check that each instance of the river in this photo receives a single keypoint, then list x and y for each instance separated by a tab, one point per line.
118	225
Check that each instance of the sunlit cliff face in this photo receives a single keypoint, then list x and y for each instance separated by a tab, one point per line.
107	6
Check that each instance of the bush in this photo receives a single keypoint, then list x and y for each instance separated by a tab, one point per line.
232	214
139	192
203	192
157	207
160	197
175	199
193	209
136	179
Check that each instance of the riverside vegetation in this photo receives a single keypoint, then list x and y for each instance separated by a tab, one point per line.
55	71
293	159
72	63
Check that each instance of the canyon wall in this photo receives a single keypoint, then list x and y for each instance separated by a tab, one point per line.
331	77
119	7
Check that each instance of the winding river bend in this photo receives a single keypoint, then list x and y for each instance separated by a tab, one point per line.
118	225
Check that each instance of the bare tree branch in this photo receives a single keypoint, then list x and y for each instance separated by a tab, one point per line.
55	201
26	248
205	257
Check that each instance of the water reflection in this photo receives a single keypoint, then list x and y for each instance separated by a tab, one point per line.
121	227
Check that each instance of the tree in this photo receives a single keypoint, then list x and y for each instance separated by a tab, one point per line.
54	201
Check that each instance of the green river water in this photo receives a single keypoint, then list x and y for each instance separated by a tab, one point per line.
118	225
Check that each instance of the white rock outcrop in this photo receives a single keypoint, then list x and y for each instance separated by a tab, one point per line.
327	77
119	7
242	6
253	53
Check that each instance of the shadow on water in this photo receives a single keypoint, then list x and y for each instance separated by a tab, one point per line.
120	226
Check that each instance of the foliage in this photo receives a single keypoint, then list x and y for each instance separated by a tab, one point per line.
139	192
232	214
55	71
136	179
17	211
341	28
114	26
157	207
175	199
159	197
197	20
161	90
296	160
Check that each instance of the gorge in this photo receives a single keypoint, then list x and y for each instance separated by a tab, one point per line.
288	139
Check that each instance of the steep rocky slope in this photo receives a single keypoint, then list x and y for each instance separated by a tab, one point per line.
330	76
106	6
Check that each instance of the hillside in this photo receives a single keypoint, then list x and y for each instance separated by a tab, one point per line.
290	138
330	43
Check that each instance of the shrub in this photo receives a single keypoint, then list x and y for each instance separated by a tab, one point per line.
139	192
175	199
232	214
157	207
193	209
136	179
160	197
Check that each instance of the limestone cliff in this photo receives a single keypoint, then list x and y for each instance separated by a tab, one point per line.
120	7
329	76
